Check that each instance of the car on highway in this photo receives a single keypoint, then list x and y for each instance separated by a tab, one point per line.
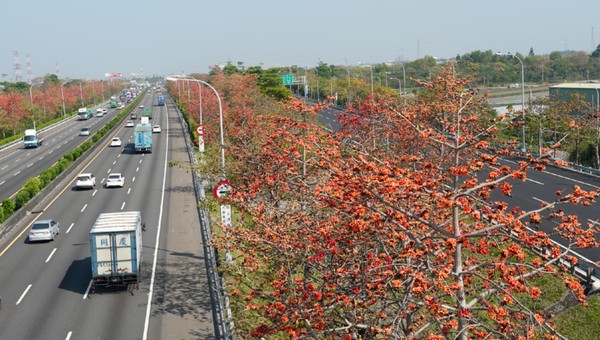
115	180
99	113
156	129
85	131
141	106
44	230
116	141
85	181
129	124
133	116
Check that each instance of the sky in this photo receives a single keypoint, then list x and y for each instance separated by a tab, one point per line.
87	39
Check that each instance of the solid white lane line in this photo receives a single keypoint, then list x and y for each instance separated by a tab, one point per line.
23	295
157	242
50	256
71	226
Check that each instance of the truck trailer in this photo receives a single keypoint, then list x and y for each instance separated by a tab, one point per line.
142	136
115	247
31	139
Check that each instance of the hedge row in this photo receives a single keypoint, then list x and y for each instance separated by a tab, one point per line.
36	184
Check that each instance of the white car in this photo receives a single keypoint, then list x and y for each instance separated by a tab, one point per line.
116	141
156	129
44	230
115	180
99	113
141	106
129	123
85	131
85	181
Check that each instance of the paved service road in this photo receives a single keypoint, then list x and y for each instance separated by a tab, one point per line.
45	286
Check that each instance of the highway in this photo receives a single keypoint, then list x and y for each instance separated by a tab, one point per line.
528	195
542	186
45	287
18	164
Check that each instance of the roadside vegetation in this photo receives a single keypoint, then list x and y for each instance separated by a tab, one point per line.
378	230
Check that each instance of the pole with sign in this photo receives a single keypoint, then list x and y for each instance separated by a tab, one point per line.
200	132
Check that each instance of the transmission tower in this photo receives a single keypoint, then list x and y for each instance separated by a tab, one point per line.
29	76
18	75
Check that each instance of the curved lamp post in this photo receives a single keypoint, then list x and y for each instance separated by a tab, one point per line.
399	85
403	77
523	149
31	98
174	78
62	95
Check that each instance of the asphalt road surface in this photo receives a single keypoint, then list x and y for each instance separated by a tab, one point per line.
45	287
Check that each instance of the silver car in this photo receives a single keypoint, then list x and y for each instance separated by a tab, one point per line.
43	230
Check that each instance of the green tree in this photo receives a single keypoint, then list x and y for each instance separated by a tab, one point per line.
596	53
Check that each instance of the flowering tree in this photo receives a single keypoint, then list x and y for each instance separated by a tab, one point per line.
393	228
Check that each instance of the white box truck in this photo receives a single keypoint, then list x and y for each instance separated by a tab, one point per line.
31	139
116	249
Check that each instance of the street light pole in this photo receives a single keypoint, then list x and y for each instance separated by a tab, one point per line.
371	67
220	117
523	149
80	93
403	77
225	208
399	85
31	98
62	95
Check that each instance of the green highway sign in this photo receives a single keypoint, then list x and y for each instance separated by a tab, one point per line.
287	79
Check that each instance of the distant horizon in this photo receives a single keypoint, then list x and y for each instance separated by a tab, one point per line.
86	40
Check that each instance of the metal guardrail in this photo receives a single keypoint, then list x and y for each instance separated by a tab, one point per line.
585	169
224	325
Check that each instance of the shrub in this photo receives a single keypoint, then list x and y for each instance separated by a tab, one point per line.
8	205
69	156
46	176
1	214
22	198
33	186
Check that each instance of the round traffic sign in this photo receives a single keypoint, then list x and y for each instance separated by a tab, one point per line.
199	129
221	188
